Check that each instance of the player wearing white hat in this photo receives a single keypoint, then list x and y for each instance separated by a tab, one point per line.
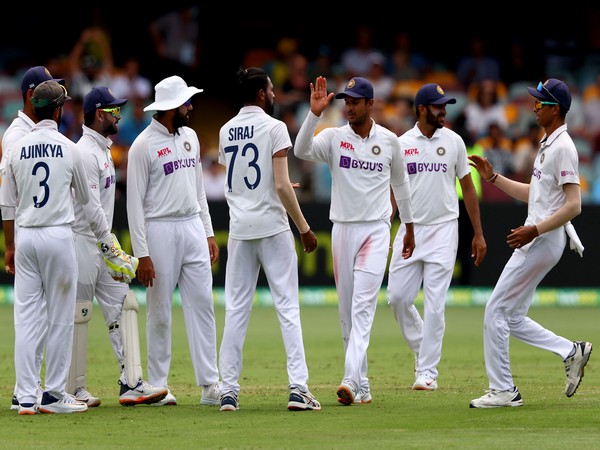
435	157
19	127
172	235
253	146
41	169
93	224
553	198
364	160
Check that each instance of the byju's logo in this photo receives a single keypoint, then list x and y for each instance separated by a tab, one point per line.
412	168
345	162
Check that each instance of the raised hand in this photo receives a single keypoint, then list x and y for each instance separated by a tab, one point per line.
319	98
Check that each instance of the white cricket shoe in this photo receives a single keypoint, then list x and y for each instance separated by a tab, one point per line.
425	382
84	396
574	365
14	406
169	399
65	405
363	396
28	409
302	401
229	402
211	394
346	392
498	399
142	394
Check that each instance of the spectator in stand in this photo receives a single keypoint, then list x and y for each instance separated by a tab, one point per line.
525	151
357	60
214	178
498	150
129	83
486	109
477	65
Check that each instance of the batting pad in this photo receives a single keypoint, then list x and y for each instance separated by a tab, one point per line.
131	339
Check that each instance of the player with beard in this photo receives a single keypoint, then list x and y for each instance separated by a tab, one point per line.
172	235
253	146
93	224
434	156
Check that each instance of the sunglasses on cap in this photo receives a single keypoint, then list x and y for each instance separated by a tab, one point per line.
542	88
539	105
115	112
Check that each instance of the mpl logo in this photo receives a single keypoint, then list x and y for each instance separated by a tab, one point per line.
411	151
163	152
346	146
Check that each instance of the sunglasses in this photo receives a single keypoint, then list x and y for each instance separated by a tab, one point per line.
115	112
188	103
539	105
542	88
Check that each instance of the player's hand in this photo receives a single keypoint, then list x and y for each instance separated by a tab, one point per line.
319	98
120	265
478	249
213	250
408	243
145	272
522	236
483	166
309	241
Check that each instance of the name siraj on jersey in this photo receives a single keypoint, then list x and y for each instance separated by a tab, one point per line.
42	151
238	133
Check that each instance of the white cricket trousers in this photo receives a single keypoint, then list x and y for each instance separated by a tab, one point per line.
179	252
360	252
506	310
45	288
430	266
279	261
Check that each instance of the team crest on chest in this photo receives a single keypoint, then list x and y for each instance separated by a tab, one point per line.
441	151
376	150
187	146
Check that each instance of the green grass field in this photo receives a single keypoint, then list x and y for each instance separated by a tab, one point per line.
398	417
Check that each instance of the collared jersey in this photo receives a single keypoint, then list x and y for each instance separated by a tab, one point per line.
247	143
433	166
164	181
19	127
556	164
96	217
362	170
41	168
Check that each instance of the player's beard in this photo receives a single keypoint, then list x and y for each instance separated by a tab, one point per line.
269	106
111	129
180	120
434	120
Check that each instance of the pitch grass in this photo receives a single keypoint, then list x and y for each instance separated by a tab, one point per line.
398	417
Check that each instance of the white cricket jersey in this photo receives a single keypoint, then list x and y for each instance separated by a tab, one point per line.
556	164
362	170
433	166
41	169
247	143
19	127
164	181
96	217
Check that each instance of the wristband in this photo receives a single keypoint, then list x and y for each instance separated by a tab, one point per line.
492	179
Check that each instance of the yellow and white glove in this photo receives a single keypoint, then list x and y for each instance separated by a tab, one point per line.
121	266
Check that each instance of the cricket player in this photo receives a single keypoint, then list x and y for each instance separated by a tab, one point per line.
435	157
172	235
253	146
93	224
41	169
364	160
553	199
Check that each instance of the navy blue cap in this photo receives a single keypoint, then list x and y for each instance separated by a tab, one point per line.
357	87
100	97
36	75
552	90
432	94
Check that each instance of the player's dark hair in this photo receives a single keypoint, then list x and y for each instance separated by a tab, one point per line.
45	112
251	81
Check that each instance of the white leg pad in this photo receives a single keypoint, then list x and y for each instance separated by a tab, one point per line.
83	314
131	339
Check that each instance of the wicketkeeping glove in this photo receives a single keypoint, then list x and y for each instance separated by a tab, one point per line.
121	266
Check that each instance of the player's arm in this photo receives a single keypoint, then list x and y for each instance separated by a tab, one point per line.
516	189
568	211
288	198
478	244
9	244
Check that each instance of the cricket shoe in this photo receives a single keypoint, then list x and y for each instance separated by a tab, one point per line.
14	406
302	401
229	402
28	409
211	394
346	392
424	383
498	399
574	365
363	396
84	396
168	400
65	405
142	394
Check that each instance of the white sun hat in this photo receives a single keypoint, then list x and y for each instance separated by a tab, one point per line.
171	93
